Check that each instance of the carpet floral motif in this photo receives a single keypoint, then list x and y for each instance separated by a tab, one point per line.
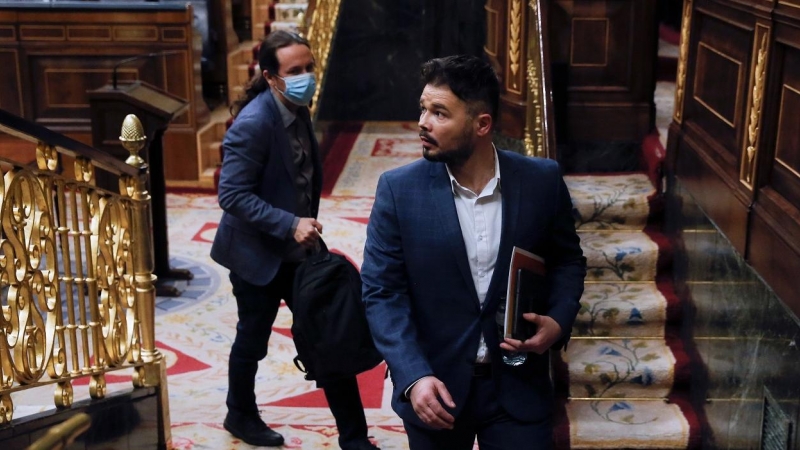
625	309
610	202
620	368
626	424
619	256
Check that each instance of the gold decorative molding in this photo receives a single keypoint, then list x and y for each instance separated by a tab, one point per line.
680	80
755	105
514	46
320	35
537	135
534	143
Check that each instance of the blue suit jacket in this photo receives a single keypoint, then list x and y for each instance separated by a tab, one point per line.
257	191
420	298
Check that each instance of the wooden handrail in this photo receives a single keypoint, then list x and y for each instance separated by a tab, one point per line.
32	132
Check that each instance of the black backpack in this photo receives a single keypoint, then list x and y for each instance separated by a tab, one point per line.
330	327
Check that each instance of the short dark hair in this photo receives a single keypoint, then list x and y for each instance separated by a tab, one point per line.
470	78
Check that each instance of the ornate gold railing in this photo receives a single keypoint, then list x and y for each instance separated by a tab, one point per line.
76	263
539	127
324	16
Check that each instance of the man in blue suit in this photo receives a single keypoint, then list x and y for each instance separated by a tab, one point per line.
436	266
269	189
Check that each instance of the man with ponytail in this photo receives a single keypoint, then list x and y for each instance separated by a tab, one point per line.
269	190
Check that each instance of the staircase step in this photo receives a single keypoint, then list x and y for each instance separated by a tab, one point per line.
621	368
290	12
611	202
625	255
626	309
626	424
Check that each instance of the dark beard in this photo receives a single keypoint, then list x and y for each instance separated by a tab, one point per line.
454	157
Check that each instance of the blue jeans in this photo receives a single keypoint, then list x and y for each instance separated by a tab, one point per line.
257	309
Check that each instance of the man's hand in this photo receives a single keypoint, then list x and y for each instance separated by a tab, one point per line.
307	232
548	331
425	397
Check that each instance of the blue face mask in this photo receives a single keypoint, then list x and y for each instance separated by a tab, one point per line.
299	88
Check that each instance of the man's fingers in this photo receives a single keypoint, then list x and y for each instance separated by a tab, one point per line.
317	226
533	317
425	398
439	417
444	394
432	413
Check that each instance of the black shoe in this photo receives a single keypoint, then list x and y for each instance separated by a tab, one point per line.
252	430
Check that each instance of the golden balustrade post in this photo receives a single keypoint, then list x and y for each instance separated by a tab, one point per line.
133	139
154	371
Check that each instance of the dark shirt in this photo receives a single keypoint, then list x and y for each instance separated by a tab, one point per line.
300	142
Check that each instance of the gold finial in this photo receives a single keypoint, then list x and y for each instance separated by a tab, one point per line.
132	138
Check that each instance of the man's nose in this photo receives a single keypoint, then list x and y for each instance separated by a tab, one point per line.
423	121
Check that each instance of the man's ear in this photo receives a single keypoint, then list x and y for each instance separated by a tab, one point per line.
268	77
484	124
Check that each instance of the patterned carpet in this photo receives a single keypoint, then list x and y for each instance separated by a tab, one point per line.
623	372
620	381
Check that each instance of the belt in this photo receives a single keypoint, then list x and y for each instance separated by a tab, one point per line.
482	370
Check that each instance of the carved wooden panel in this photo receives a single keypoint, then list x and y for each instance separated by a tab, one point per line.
776	257
493	27
89	33
52	56
63	80
718	75
779	180
173	34
713	189
589	43
10	90
42	33
8	33
606	49
717	85
738	146
786	167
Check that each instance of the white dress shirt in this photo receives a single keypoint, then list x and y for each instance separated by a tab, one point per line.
481	218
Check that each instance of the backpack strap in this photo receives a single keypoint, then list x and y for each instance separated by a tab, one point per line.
299	364
319	248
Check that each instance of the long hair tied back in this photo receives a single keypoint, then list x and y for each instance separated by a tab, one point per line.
267	60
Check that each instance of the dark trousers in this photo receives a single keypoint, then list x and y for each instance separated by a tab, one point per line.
257	308
485	418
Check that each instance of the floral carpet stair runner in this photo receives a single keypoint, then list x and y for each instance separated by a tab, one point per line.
624	374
